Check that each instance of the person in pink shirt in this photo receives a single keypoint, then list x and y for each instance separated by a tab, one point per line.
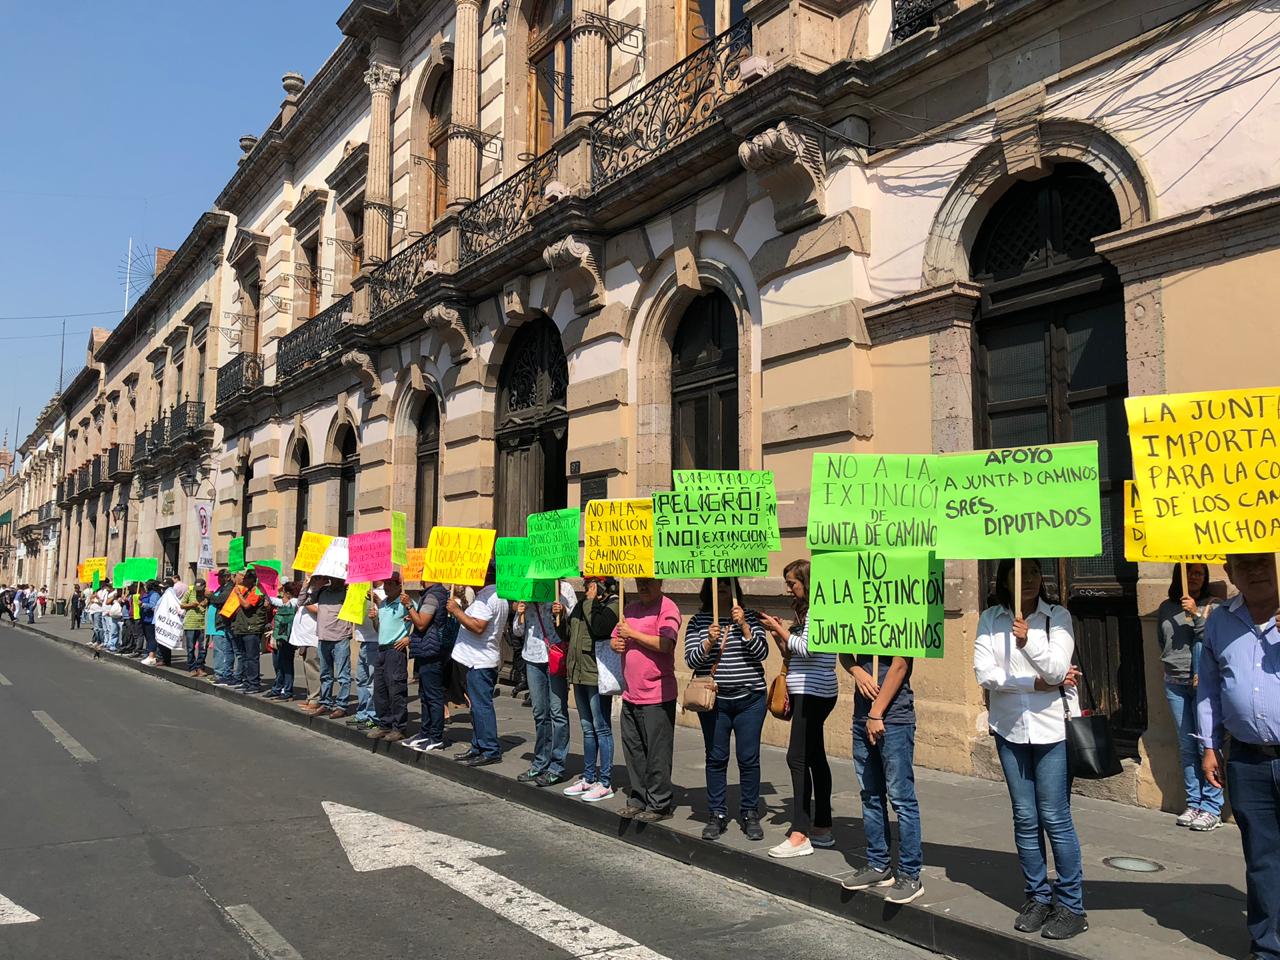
646	638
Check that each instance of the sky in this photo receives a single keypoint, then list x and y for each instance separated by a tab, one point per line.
123	120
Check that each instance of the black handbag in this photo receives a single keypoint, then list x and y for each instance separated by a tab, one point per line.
1090	752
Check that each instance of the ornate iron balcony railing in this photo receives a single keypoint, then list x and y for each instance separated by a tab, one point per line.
238	376
912	16
140	443
119	459
82	478
503	213
95	471
666	112
394	282
62	491
314	340
186	421
159	435
46	512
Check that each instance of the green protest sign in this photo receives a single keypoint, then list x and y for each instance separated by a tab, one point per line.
747	480
726	530
141	569
512	559
553	543
399	538
887	603
873	501
118	574
1020	502
97	579
235	555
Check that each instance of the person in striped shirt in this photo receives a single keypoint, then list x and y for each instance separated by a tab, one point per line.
735	649
812	689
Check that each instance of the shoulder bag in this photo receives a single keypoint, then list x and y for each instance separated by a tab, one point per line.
1090	752
700	694
779	696
557	653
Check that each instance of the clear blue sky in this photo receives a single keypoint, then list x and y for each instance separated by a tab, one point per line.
122	120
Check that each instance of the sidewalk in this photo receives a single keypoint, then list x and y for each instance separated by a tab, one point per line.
1192	908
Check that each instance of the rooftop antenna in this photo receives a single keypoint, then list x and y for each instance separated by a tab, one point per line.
136	271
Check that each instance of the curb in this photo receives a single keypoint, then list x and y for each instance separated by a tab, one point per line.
938	932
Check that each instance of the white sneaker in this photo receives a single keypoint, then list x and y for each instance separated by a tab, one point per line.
1188	816
150	662
578	789
1206	822
597	793
412	742
426	746
786	850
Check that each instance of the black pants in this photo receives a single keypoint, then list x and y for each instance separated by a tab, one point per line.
431	691
391	688
807	758
648	741
165	655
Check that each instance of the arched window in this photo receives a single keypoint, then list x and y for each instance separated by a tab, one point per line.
441	115
299	462
246	501
704	386
533	427
551	77
1052	368
427	476
349	469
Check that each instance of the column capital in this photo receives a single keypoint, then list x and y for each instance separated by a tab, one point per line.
381	78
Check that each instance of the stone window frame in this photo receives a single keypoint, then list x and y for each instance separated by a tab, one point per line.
423	125
413	389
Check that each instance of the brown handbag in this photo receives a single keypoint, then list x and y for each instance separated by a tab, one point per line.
700	694
779	697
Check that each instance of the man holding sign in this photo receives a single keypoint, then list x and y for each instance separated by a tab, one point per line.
478	649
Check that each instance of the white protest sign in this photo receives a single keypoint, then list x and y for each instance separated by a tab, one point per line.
168	618
333	563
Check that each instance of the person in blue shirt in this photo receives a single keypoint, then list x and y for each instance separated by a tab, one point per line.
1238	701
390	670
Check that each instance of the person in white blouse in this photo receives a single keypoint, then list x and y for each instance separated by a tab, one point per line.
1024	664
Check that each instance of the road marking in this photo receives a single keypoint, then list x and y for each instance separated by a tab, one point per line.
4	681
74	747
254	930
10	912
373	842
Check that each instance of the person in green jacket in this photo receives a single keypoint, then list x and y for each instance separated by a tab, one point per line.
282	655
250	623
592	622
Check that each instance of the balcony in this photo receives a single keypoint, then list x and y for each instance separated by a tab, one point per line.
318	337
503	213
238	376
120	461
912	16
82	479
157	436
46	512
140	452
95	472
395	281
62	492
186	423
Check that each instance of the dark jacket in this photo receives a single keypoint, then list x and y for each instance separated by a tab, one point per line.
435	642
283	623
591	620
252	621
220	598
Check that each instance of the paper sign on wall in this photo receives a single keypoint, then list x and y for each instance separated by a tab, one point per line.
618	538
882	602
235	554
333	562
369	556
553	543
512	560
310	549
1040	501
1207	468
355	605
873	501
399	537
459	555
1137	546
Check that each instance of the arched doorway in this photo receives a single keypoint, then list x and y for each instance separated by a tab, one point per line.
348	470
427	474
246	501
704	386
532	428
1051	367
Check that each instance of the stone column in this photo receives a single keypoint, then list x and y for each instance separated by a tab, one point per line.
590	61
377	189
464	145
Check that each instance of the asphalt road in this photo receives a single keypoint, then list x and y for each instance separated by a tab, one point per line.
139	819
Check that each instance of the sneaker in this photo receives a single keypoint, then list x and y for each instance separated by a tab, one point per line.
786	850
751	826
150	662
549	779
715	828
578	788
597	793
652	816
271	695
867	878
482	761
529	776
1063	924
1188	817
1032	916
427	746
904	890
1205	822
823	841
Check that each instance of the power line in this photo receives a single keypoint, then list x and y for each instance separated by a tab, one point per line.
60	316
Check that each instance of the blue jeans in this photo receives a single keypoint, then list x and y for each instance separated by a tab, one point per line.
112	629
484	721
222	658
594	713
887	778
548	696
1201	794
431	674
149	633
335	653
282	662
364	681
248	649
1254	782
196	648
1039	781
743	718
96	620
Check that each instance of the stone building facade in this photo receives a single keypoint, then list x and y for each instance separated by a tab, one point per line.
498	257
37	521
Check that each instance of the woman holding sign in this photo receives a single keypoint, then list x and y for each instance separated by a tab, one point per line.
1024	664
590	624
732	651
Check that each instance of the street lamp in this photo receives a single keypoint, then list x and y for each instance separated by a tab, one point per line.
119	511
190	483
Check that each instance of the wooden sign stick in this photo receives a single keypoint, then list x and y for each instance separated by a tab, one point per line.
1017	588
1186	590
715	599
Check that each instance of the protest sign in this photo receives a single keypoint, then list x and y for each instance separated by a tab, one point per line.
873	501
356	603
1137	546
231	604
618	538
118	573
415	557
512	560
1020	502
716	531
333	562
760	481
268	579
399	537
97	579
80	573
235	554
310	549
168	618
369	556
883	602
211	581
94	565
553	543
142	569
1207	469
458	555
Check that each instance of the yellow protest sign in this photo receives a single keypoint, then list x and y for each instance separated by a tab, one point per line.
1207	469
354	605
1137	548
94	565
310	549
459	555
618	538
415	558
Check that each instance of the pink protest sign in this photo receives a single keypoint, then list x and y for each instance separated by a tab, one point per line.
268	580
369	556
211	581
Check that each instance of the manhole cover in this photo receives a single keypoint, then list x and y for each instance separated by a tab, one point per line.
1133	864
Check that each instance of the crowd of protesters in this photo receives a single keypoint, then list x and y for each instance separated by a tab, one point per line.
449	639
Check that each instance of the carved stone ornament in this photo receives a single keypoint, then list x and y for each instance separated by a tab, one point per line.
789	162
448	320
575	262
381	78
365	370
